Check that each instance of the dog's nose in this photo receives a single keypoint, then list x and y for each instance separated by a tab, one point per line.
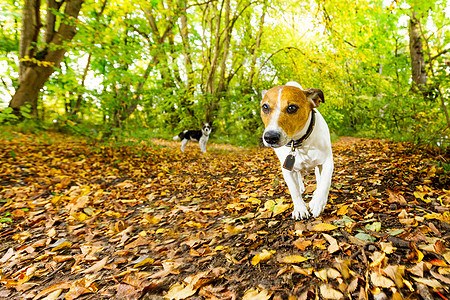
272	137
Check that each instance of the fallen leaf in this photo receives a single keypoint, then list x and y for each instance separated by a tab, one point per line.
387	247
80	287
328	292
429	282
333	247
302	244
55	287
293	259
257	294
97	267
262	257
7	255
192	283
442	278
381	281
324	227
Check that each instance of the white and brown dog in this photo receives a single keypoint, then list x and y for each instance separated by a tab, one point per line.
200	136
301	140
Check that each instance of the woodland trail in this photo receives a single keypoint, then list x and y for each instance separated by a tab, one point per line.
92	221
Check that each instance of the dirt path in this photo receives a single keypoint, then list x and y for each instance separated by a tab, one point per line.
84	221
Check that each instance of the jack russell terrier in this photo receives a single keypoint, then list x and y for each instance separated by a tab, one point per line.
200	136
300	138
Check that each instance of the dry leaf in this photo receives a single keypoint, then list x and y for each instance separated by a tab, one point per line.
293	259
262	257
429	282
333	247
80	287
442	278
55	287
328	292
192	283
324	227
381	281
387	247
97	267
256	294
7	255
302	244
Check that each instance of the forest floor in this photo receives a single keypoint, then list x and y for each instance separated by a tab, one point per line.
83	220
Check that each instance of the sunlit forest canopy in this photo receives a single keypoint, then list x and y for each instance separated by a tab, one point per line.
142	68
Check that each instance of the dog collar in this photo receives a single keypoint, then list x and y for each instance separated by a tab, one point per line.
298	143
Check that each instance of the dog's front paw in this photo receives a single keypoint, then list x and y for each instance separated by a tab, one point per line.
317	205
300	213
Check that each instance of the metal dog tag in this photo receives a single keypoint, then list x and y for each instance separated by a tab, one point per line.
289	162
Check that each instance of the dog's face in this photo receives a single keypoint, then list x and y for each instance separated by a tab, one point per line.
285	111
206	129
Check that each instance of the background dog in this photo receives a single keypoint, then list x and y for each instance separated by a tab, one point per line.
200	136
300	138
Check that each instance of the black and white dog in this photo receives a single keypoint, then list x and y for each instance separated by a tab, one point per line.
200	136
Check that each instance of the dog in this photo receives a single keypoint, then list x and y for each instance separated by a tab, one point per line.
300	138
200	136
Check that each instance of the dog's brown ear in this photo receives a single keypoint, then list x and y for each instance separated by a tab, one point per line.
315	96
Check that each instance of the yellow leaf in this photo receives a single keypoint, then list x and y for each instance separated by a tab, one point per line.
269	205
21	236
322	274
377	259
342	210
233	229
255	294
294	259
280	208
254	201
420	195
306	271
151	220
147	261
63	245
324	227
160	230
263	256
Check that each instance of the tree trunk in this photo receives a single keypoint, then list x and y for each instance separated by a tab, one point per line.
255	49
34	73
31	25
418	71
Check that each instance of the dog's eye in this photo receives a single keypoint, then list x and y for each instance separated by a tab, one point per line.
265	108
292	109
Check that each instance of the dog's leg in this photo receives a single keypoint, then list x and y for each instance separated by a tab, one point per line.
293	180
300	183
323	178
318	172
183	144
202	146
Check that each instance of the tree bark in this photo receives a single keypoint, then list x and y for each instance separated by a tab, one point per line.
34	74
418	71
31	25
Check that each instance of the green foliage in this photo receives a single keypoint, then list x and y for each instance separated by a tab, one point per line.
7	116
127	73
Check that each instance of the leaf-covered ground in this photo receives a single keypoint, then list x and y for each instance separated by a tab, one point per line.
82	221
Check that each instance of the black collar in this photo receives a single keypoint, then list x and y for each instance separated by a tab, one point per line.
298	143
